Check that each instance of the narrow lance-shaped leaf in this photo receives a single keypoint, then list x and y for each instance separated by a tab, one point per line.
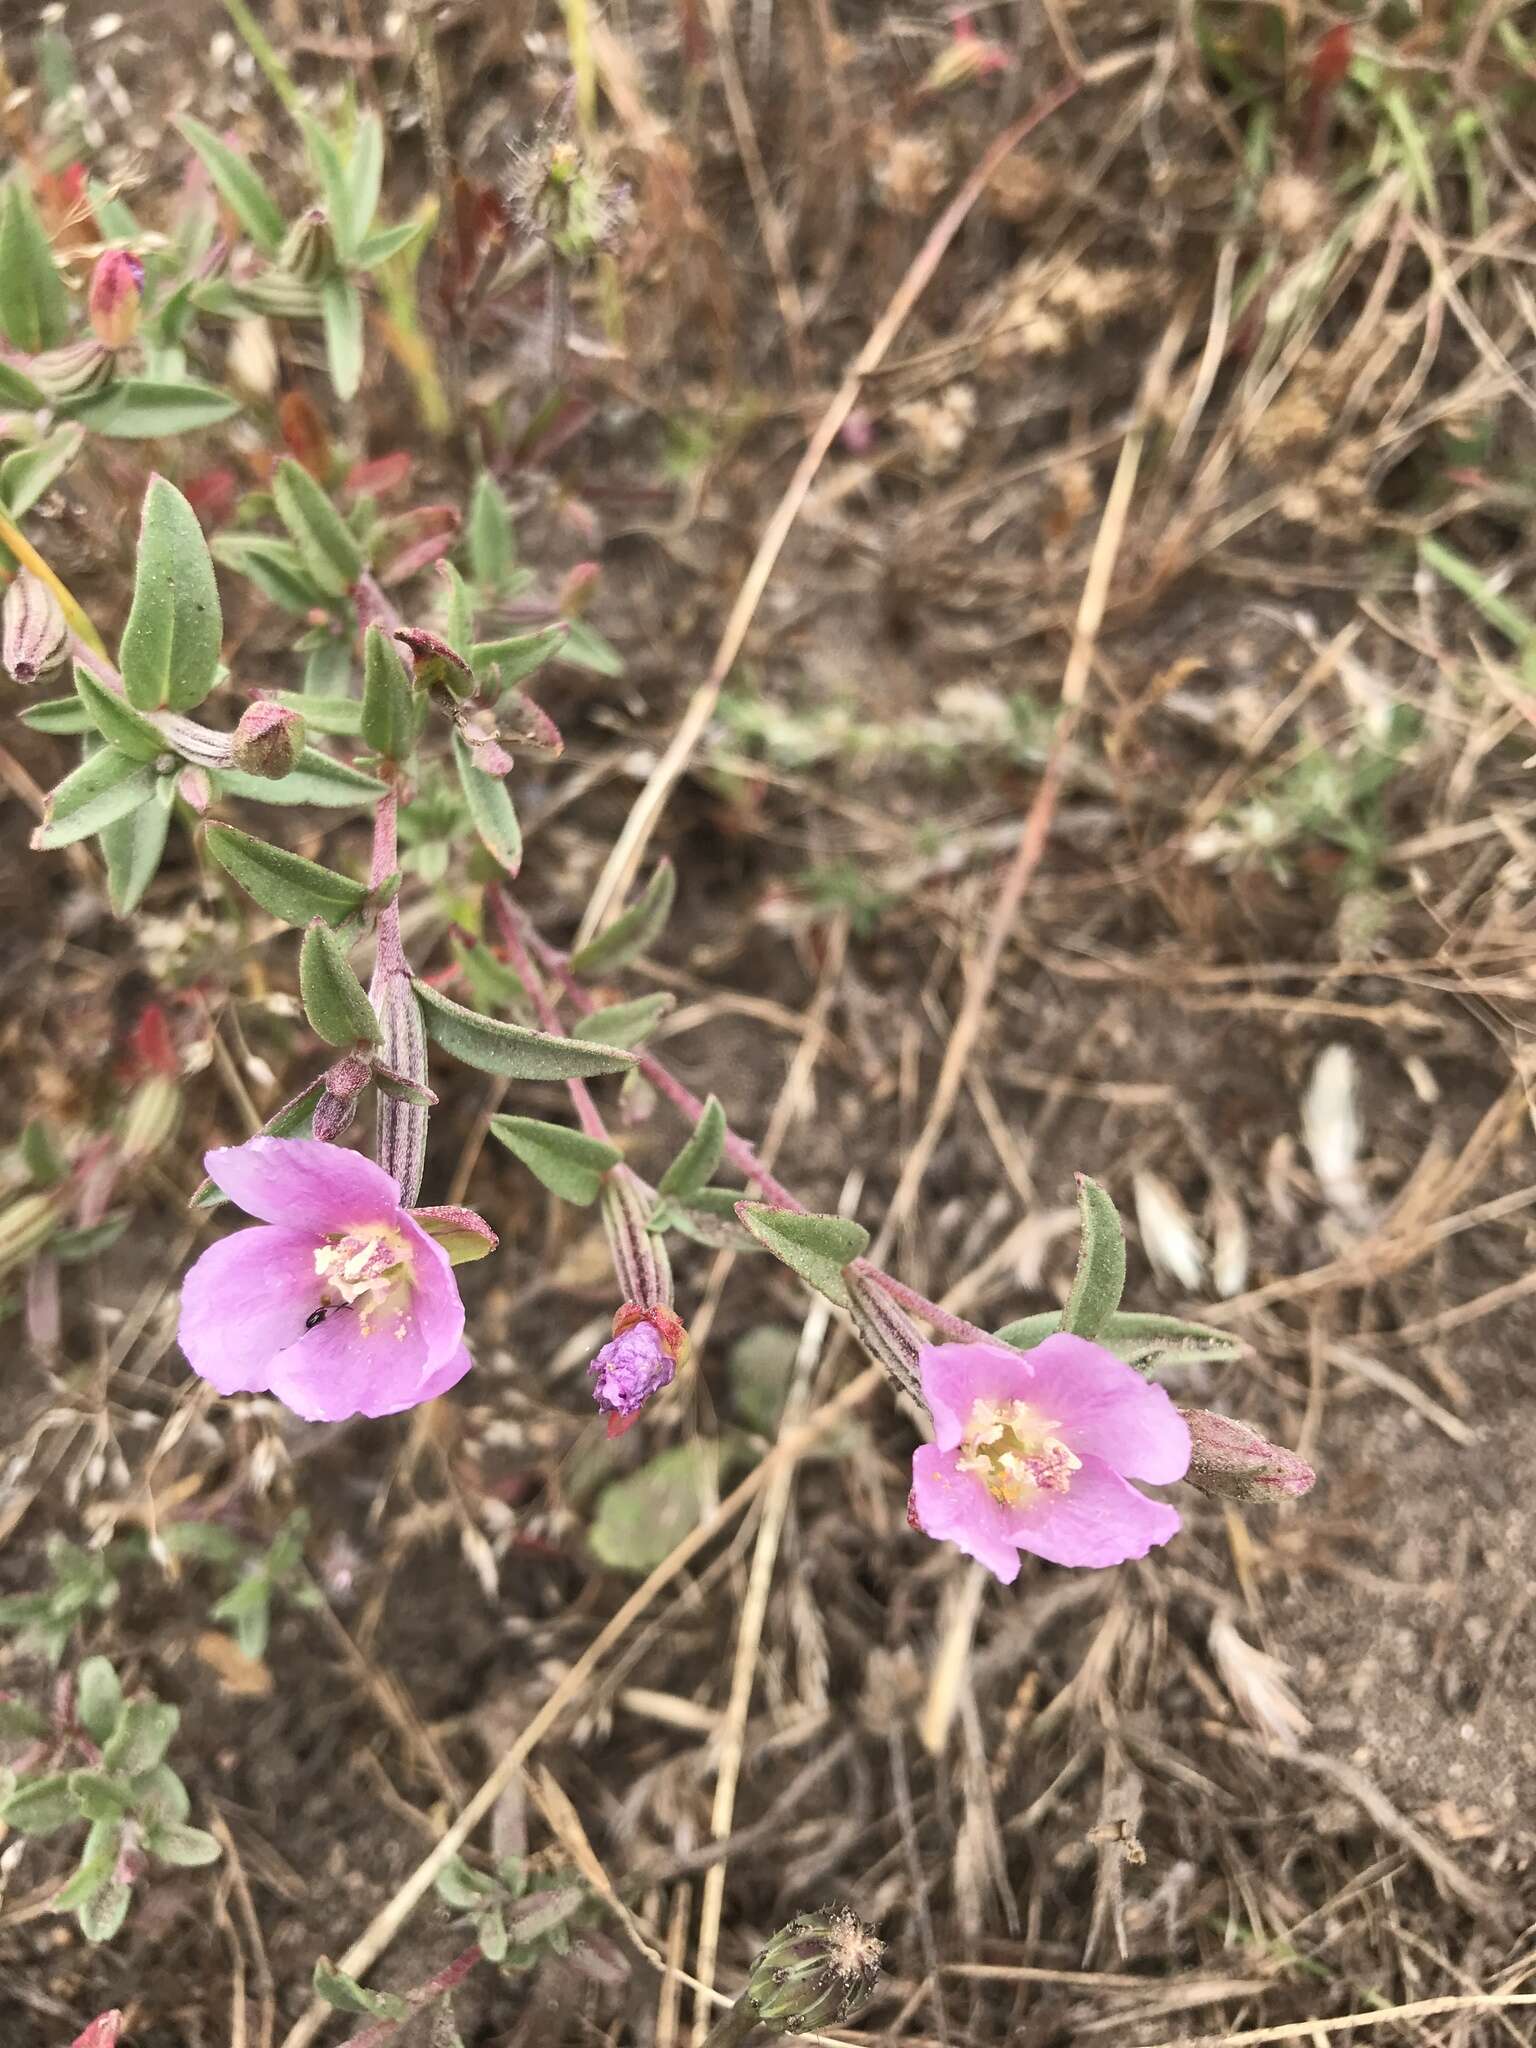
497	1048
639	927
169	653
284	884
626	1024
1100	1277
694	1167
28	472
133	847
34	308
237	185
570	1164
335	1001
364	174
327	546
490	807
388	720
100	791
341	310
489	531
318	779
501	663
117	721
815	1247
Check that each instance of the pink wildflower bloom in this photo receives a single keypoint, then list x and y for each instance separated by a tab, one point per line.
639	1361
340	1304
1032	1451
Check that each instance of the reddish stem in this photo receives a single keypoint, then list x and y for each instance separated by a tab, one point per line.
445	1980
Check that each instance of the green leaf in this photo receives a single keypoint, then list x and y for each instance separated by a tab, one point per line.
328	672
117	721
1029	1331
148	408
570	1164
462	1887
16	388
639	927
492	982
98	1795
815	1247
339	717
169	653
383	243
490	808
388	710
41	1806
28	472
327	546
34	307
237	185
1100	1278
58	715
334	999
1149	1339
491	1934
142	1736
21	1723
133	848
159	1795
99	792
341	309
708	1216
104	1912
537	1915
249	1607
492	551
458	620
642	1518
695	1165
318	779
97	1863
274	566
285	884
497	1048
347	1995
506	662
364	174
98	1698
325	161
628	1023
183	1846
586	648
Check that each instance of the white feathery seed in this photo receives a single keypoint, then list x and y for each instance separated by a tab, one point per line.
1331	1129
1167	1231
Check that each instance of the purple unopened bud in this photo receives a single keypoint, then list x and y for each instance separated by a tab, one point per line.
345	1080
436	663
194	788
34	634
268	741
1232	1461
117	291
309	248
639	1361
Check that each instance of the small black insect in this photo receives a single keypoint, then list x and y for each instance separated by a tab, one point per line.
315	1317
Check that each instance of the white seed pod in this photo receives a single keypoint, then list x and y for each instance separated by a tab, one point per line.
1167	1231
1331	1130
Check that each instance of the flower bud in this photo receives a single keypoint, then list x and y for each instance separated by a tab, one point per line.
437	666
1231	1461
345	1080
117	291
309	249
886	1331
268	741
103	2032
576	590
34	634
816	1972
641	1359
73	371
194	789
272	291
151	1119
26	1226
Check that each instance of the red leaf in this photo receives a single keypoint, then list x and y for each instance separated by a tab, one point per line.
380	475
1332	58
212	494
410	543
304	434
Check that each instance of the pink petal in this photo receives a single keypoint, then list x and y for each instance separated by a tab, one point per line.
244	1302
1099	1520
1106	1410
302	1183
345	1366
445	1376
956	1376
955	1507
435	1303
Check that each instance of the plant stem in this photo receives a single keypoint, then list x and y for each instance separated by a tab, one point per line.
737	1150
732	2027
509	922
445	1980
272	67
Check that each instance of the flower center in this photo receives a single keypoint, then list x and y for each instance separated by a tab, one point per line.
1014	1451
368	1269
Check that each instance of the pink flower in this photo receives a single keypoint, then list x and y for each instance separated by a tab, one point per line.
341	1304
117	288
1032	1451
